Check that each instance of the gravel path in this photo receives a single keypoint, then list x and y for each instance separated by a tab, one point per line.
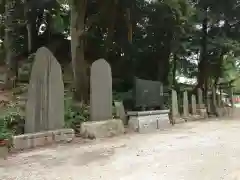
207	150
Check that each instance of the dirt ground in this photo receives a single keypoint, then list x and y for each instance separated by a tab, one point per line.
206	150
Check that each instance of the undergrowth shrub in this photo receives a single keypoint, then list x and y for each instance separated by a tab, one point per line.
75	114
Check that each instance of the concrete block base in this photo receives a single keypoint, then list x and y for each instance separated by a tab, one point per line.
148	121
178	120
3	152
187	118
203	113
33	140
163	121
102	129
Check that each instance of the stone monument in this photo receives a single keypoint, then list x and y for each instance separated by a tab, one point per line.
101	91
45	104
102	123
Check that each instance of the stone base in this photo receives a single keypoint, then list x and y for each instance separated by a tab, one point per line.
33	140
203	113
101	129
3	152
196	117
178	120
230	111
148	121
224	111
187	118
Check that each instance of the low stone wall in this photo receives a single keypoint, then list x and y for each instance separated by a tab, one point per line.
33	140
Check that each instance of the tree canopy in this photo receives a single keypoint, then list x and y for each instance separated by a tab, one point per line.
157	40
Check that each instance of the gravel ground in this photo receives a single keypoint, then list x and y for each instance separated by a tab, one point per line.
207	150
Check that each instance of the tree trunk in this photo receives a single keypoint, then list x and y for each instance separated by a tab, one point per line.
81	80
29	37
28	27
202	67
129	24
174	69
10	62
164	64
111	28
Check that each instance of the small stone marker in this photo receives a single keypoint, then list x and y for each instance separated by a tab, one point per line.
45	104
185	104
101	91
194	105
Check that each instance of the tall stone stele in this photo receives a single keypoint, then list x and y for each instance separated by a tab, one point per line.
45	104
101	91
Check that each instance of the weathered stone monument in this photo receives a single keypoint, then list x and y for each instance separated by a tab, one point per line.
149	113
185	105
101	91
102	123
45	104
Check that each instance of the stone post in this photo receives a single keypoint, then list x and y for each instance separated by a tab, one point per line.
200	98
232	103
185	104
221	98
214	100
175	111
194	105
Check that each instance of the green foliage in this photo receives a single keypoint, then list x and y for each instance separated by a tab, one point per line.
24	71
121	96
75	114
161	29
5	133
15	122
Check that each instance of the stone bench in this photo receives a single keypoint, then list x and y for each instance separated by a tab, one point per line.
148	121
33	140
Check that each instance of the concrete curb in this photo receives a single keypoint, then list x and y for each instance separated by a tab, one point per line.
33	140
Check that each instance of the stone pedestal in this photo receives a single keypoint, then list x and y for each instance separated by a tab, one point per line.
3	152
148	121
202	113
102	129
